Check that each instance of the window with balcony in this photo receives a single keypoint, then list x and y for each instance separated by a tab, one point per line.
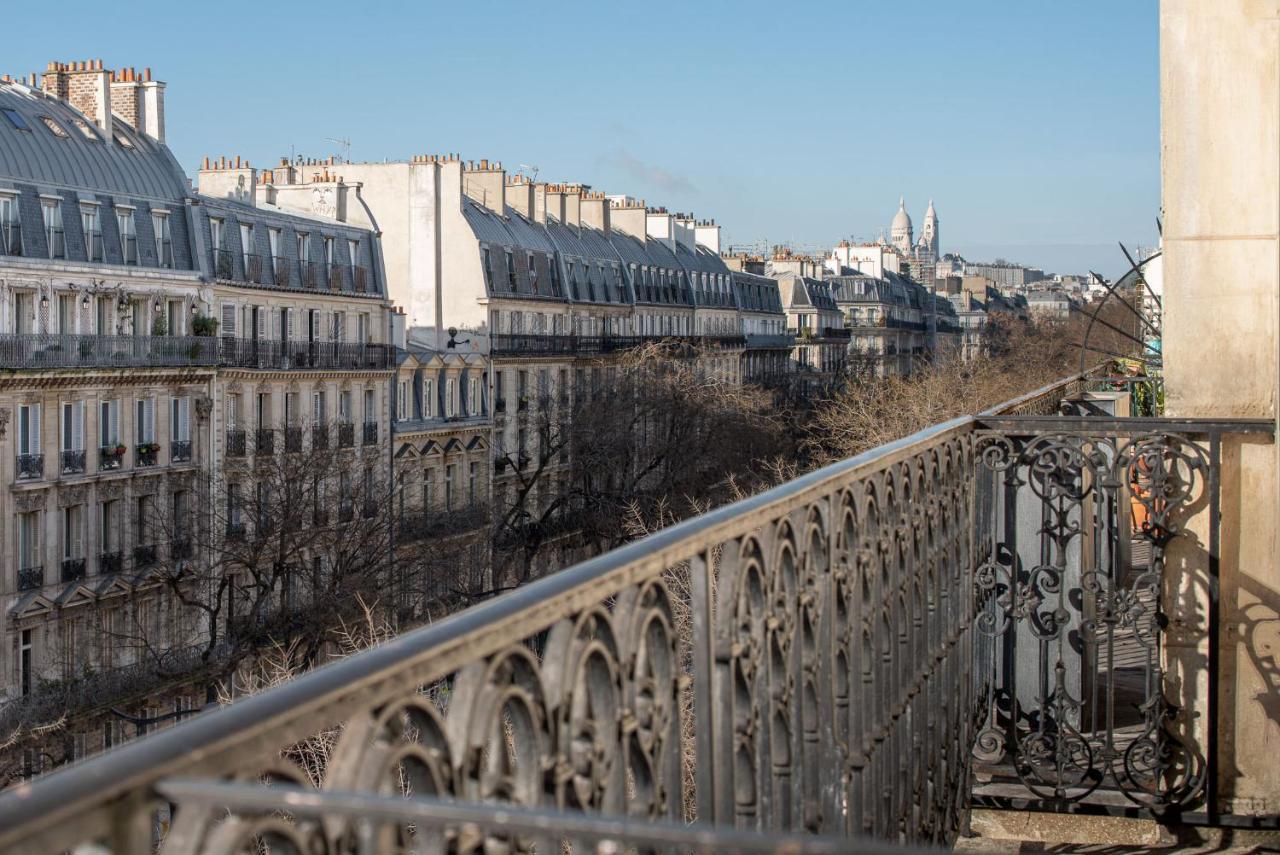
180	429
511	270
145	447
51	210
402	400
30	559
110	449
247	255
71	435
68	317
72	543
473	396
30	463
450	472
450	397
91	224
128	235
10	226
533	274
109	537
428	398
163	238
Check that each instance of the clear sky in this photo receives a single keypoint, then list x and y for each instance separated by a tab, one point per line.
1034	125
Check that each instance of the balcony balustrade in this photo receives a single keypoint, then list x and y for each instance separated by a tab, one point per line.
311	273
264	442
180	451
30	578
254	268
235	530
144	555
505	344
73	462
110	562
42	351
236	444
836	656
434	523
111	457
336	276
370	433
292	440
146	453
294	355
320	437
30	467
224	264
72	570
360	277
346	435
181	549
280	271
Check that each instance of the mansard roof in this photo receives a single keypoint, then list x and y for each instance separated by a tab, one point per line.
32	152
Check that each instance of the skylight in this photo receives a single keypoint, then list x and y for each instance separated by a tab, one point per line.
15	119
57	129
85	129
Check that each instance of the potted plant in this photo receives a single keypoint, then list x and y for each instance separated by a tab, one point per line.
204	325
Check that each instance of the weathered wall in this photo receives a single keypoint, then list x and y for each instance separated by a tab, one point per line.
1220	129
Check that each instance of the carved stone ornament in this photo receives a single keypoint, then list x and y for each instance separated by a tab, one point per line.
74	495
204	406
110	490
5	414
30	500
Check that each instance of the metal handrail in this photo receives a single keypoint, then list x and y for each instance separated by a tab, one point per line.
85	800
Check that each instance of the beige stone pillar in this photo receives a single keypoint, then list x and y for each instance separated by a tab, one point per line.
1220	158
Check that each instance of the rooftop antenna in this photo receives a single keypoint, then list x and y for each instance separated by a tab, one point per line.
346	147
532	169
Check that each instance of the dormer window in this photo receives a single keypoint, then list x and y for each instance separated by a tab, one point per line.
328	251
92	226
10	226
164	241
58	130
51	210
511	270
533	274
128	235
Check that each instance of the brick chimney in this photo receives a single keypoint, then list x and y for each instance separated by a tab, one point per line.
138	101
595	211
485	183
85	86
555	202
540	203
519	194
572	205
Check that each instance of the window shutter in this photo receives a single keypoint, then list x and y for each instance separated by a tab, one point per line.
259	322
77	533
77	426
35	428
313	324
115	421
228	319
149	419
288	322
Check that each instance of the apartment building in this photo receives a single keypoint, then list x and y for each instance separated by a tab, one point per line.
104	404
159	341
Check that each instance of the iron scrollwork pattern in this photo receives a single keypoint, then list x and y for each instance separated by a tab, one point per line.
1074	535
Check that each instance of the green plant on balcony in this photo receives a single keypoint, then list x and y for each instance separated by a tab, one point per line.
159	326
204	325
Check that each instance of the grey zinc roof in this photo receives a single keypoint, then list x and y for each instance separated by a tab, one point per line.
39	156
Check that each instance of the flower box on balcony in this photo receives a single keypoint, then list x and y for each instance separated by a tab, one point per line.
146	453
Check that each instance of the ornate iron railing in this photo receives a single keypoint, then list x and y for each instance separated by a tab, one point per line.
829	657
36	351
798	662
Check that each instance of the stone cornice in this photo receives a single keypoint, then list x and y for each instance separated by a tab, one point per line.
88	377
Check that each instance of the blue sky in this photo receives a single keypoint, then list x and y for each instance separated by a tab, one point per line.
1033	125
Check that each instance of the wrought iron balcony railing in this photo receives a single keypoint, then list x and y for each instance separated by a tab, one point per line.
72	462
146	453
312	273
236	444
30	578
36	351
505	344
831	656
264	441
180	451
72	569
144	555
110	562
320	436
292	439
30	467
292	355
111	457
370	434
346	435
280	271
